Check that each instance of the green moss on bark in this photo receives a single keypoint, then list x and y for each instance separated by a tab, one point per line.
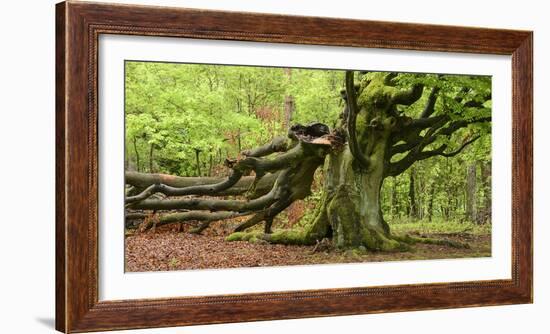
243	236
376	241
430	241
344	217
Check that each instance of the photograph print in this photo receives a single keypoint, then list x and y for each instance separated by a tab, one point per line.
241	166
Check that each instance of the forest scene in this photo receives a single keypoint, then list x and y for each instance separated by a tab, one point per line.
239	166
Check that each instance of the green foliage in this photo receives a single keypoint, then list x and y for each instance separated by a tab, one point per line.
440	182
175	110
316	95
452	90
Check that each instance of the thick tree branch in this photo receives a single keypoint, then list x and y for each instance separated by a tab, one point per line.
415	126
207	204
141	181
266	215
351	121
435	125
407	146
296	168
429	108
457	151
411	134
209	189
408	96
402	165
259	165
455	125
278	144
424	123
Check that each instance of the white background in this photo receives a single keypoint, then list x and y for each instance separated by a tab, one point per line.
27	165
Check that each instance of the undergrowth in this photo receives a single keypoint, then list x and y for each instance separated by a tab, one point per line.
438	226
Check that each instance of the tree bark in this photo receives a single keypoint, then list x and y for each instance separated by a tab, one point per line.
197	153
393	199
210	165
151	150
486	179
471	188
137	154
144	180
413	208
289	110
431	202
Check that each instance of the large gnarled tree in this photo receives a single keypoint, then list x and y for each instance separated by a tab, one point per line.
379	135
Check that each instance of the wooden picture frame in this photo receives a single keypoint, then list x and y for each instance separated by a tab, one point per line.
78	26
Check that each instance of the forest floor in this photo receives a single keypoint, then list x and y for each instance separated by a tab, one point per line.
167	249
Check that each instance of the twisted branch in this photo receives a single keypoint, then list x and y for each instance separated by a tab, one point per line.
294	169
352	119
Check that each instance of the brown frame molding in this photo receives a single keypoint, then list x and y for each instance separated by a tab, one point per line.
78	25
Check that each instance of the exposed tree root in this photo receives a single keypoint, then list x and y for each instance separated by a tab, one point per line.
431	241
375	241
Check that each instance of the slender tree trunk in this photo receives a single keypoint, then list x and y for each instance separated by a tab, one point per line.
431	202
137	155
239	141
151	150
197	153
448	202
393	199
289	110
126	158
486	179
413	208
471	193
396	199
239	102
449	210
289	102
250	98
210	165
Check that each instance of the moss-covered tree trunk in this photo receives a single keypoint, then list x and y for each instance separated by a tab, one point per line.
355	174
353	204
